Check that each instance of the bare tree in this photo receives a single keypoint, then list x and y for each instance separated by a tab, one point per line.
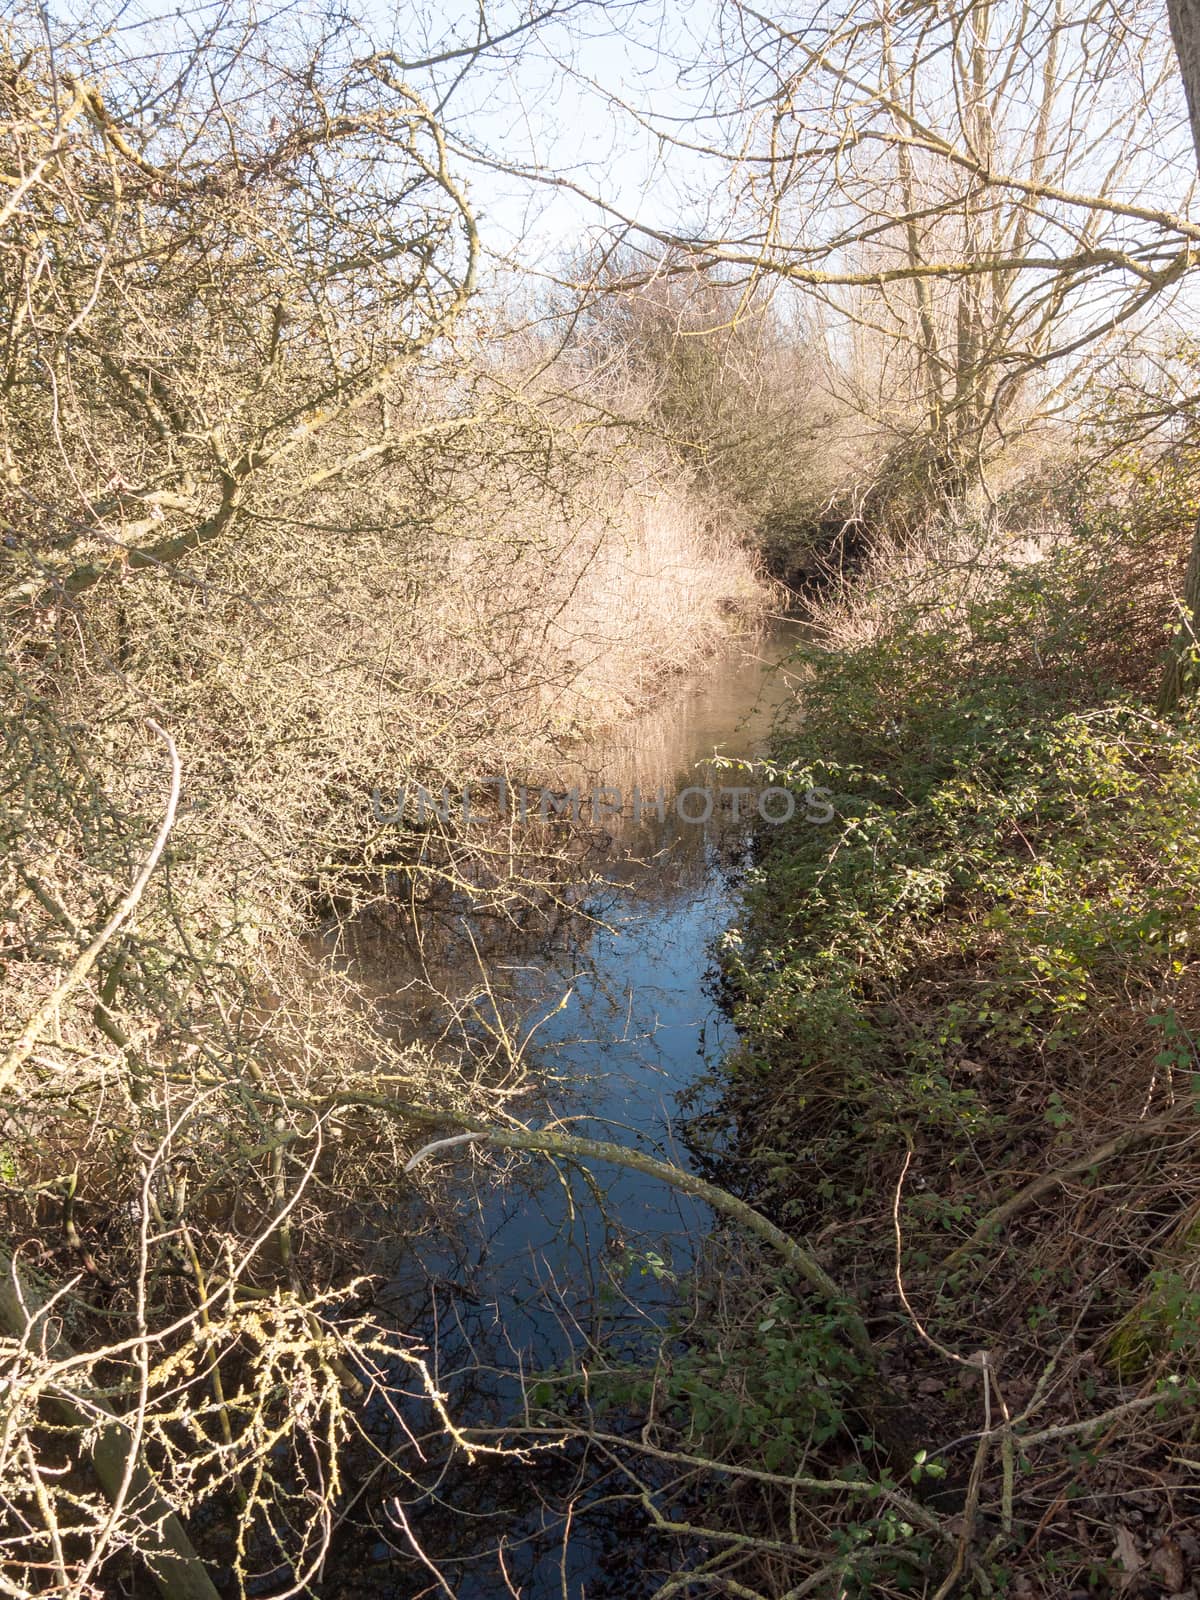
228	285
987	189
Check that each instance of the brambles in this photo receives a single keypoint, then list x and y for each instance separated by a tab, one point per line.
991	967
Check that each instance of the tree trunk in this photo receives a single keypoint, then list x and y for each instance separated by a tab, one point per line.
1180	675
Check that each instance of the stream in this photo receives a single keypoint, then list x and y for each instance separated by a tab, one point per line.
620	1029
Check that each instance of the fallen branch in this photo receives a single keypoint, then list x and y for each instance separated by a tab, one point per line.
1106	1419
887	1416
801	1260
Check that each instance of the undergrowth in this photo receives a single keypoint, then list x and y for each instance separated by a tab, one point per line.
968	1071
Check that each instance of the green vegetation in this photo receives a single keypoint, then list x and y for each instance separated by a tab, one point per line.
969	1013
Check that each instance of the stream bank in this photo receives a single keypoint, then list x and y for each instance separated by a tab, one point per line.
966	1073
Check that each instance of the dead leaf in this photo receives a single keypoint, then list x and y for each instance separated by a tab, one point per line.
1127	1554
1167	1561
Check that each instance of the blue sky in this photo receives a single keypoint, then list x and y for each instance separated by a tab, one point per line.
551	107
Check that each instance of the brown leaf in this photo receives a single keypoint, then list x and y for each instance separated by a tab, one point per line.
1127	1554
1167	1562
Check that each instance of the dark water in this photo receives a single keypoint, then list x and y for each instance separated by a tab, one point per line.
541	1266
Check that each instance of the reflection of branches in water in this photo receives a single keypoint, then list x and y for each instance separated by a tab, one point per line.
539	1291
556	1524
623	1501
731	707
542	1278
468	903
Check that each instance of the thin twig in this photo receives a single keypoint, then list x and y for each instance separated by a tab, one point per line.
33	1029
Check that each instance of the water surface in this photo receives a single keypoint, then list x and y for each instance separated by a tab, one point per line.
618	1022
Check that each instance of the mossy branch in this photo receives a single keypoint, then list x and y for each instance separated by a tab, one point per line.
800	1259
127	1482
